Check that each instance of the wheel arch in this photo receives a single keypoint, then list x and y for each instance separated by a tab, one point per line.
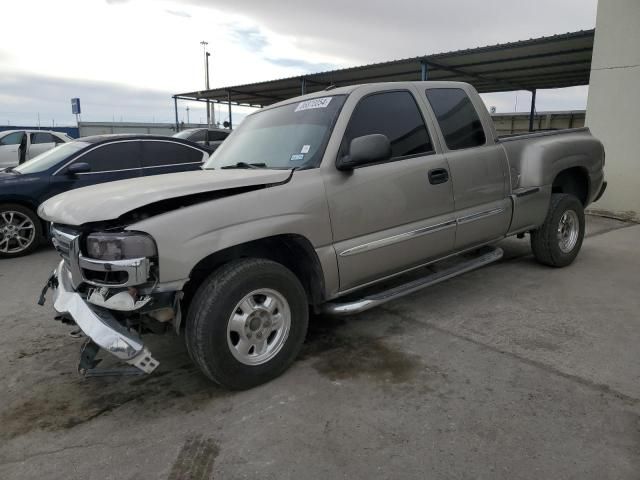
294	251
574	181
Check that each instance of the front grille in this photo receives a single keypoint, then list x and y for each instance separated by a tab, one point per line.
62	241
66	243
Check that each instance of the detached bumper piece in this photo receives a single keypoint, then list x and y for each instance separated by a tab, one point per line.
101	327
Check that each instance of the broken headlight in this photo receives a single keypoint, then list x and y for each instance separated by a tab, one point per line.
120	246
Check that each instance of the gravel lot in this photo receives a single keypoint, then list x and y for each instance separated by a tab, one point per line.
512	371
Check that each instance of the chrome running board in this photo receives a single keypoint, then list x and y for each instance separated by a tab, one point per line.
350	307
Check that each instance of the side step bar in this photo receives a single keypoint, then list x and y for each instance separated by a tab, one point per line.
370	301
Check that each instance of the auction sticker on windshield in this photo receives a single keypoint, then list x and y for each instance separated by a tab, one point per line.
315	103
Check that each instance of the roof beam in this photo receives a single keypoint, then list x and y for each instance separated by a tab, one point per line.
474	75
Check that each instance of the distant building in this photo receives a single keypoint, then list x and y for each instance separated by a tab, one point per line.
101	128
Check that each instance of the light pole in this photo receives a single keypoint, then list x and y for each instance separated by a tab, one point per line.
209	106
206	77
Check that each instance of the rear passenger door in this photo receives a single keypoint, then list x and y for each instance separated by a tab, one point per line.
479	169
164	156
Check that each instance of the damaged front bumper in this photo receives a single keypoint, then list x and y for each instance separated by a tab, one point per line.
99	324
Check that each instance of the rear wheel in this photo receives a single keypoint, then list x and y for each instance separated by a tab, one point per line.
247	322
20	230
557	242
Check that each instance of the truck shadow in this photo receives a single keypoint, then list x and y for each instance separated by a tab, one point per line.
62	400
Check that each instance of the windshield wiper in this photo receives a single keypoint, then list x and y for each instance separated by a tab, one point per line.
245	165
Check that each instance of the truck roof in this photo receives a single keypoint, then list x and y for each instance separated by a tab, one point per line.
351	88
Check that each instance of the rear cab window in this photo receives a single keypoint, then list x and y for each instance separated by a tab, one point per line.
457	117
394	114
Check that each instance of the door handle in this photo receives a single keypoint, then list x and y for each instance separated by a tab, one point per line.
438	175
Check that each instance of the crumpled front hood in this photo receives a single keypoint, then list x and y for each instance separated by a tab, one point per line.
108	201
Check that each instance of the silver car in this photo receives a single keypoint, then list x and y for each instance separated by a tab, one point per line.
18	146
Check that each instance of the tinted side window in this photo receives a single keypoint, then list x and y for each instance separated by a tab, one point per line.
157	154
42	138
12	139
458	119
394	114
114	156
217	136
198	136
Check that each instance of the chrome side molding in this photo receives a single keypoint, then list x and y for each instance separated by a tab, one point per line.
384	242
479	216
398	238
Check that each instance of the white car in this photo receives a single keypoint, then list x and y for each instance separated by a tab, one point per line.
18	146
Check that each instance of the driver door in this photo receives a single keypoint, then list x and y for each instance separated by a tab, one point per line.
10	149
391	216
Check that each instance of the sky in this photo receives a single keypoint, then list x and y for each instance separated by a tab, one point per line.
125	58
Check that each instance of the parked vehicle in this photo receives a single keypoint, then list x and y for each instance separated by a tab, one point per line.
211	137
89	161
18	146
336	200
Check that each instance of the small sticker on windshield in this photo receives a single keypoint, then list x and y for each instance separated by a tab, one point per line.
297	157
315	103
305	149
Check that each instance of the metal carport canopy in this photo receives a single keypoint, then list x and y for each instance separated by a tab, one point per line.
547	62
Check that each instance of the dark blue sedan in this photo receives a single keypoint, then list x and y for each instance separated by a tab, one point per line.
84	162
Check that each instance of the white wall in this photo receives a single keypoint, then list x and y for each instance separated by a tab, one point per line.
101	128
613	107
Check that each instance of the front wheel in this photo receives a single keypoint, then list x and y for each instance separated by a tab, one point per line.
557	242
247	322
20	230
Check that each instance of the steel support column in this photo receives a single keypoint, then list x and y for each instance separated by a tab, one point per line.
303	86
424	71
533	109
175	107
230	117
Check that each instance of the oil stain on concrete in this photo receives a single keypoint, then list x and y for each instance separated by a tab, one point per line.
66	401
339	356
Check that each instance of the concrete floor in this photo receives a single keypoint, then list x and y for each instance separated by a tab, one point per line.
512	371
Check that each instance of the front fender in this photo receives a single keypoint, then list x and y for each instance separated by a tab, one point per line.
186	236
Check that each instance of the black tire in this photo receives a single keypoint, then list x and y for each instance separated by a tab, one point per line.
5	210
545	242
210	313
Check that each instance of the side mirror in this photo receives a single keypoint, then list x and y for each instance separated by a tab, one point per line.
364	150
79	167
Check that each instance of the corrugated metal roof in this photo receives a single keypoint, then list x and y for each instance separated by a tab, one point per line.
546	62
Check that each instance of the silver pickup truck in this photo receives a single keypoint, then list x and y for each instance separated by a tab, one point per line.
339	201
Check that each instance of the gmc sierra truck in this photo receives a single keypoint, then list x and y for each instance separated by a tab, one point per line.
333	202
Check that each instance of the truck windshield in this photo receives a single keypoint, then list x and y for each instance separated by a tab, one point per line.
290	136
